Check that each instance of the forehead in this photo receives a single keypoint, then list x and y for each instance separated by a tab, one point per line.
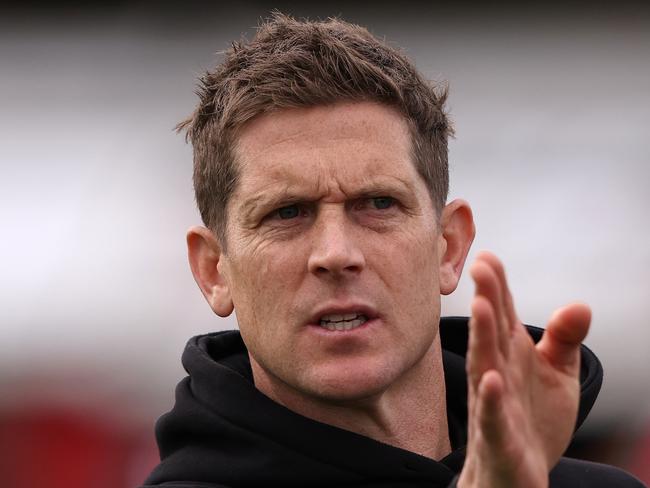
368	121
350	141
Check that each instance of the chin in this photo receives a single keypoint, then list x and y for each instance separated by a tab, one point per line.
348	385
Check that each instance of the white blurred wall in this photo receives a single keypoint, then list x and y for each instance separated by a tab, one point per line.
552	113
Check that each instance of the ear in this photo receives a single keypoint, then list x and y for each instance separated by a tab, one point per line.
457	232
208	263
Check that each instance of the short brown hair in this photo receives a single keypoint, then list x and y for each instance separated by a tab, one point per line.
292	63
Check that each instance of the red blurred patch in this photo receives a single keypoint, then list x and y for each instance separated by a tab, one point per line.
62	448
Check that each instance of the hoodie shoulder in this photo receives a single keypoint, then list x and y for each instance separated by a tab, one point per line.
575	473
188	484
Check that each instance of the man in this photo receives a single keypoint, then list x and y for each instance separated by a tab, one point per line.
321	175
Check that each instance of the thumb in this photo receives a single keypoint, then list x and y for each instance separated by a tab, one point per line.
565	331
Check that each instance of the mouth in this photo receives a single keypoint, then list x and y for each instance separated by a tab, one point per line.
341	322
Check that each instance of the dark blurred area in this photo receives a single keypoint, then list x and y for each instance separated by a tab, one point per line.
95	197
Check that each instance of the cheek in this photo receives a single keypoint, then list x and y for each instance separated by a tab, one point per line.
415	260
263	285
414	280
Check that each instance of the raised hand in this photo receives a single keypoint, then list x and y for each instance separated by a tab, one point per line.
523	398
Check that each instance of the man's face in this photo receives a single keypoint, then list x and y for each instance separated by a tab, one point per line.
333	250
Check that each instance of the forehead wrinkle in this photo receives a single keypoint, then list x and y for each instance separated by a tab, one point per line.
310	130
242	147
284	191
247	158
329	178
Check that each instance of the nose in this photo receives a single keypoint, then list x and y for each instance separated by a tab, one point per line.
336	250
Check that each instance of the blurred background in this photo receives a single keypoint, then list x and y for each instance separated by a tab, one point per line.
552	112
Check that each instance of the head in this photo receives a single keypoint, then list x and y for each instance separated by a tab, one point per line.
291	64
321	173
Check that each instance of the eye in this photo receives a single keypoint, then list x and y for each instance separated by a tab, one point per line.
382	203
288	212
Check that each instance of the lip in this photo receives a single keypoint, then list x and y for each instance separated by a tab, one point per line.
342	309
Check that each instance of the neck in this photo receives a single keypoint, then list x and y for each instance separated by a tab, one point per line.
411	414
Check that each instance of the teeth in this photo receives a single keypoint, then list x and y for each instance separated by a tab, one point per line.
339	318
343	322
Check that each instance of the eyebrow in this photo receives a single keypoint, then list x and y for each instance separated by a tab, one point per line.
267	200
272	199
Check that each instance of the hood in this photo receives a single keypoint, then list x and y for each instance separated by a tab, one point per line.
223	432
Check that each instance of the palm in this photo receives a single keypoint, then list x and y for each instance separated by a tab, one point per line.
523	398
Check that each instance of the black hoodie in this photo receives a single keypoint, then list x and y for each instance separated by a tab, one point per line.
223	432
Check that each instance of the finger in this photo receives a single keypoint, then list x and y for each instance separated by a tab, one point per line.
482	353
488	286
564	333
491	420
506	296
